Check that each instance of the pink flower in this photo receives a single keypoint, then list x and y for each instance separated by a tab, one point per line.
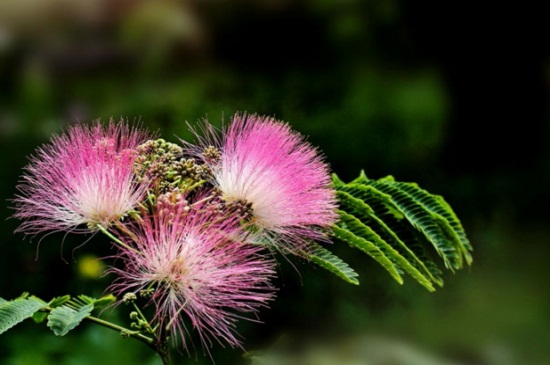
198	266
266	164
82	177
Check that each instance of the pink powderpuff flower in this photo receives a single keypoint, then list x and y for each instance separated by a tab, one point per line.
198	267
266	164
82	177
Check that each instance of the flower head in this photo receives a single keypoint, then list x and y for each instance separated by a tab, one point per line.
198	266
270	167
82	177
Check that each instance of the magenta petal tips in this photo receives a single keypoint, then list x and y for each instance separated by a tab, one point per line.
266	164
83	177
197	265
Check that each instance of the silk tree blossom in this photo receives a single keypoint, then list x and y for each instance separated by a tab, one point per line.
265	164
83	177
198	267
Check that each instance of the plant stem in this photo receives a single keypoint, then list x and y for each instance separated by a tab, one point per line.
120	226
162	348
149	328
116	240
148	341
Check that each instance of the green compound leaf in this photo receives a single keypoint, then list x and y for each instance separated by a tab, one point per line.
63	319
376	209
15	311
397	224
80	301
39	316
67	312
104	301
329	261
59	301
432	225
336	180
356	234
438	205
388	241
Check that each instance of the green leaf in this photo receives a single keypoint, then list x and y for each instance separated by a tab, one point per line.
419	245
401	226
327	260
59	301
437	204
429	223
63	319
379	202
361	179
350	229
104	301
411	238
384	217
389	242
336	180
81	301
17	310
39	316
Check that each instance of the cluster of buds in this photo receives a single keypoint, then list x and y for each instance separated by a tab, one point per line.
165	167
187	219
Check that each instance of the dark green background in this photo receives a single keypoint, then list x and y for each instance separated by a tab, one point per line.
454	98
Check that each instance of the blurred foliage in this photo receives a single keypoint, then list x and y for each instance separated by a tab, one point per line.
431	94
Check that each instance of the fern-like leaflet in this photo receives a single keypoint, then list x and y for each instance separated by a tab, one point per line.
400	226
